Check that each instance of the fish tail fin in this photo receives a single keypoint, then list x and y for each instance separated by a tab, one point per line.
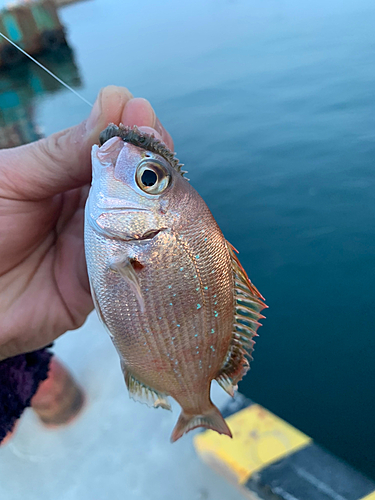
211	419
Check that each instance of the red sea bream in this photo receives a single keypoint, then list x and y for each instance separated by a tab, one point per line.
169	288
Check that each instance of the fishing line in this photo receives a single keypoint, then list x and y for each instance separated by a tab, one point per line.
47	70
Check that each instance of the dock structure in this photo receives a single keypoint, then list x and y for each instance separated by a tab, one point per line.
22	85
33	26
268	459
62	3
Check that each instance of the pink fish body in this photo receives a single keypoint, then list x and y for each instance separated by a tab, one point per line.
173	296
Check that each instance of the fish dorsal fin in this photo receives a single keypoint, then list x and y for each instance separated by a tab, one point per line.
149	142
143	393
248	303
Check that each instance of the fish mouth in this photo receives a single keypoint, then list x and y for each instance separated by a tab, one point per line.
115	234
123	209
147	236
151	234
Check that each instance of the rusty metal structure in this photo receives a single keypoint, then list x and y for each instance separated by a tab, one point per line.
22	85
34	26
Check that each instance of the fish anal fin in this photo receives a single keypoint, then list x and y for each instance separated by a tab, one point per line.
142	393
128	268
248	303
226	383
211	419
162	402
234	368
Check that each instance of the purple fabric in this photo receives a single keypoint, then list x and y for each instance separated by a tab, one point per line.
19	380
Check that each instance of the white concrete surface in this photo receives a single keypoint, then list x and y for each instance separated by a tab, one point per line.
116	450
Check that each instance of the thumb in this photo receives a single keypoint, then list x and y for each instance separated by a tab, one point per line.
61	161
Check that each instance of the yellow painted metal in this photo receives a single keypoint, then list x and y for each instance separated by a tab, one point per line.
371	496
259	438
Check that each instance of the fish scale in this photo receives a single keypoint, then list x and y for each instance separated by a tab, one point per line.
166	284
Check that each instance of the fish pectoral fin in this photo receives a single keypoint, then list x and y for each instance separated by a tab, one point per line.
143	393
248	305
128	268
211	419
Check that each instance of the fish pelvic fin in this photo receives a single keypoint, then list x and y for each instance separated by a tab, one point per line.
211	419
248	304
143	393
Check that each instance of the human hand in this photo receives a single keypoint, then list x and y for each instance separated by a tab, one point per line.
44	288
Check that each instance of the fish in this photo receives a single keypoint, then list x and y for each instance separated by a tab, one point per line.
170	290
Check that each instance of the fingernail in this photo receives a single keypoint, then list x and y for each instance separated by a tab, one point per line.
95	114
158	126
151	131
166	138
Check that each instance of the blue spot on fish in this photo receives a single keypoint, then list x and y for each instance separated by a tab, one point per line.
212	348
197	256
206	287
198	306
196	335
212	330
181	268
169	286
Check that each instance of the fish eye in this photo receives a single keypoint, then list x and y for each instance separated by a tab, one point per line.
152	177
149	178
